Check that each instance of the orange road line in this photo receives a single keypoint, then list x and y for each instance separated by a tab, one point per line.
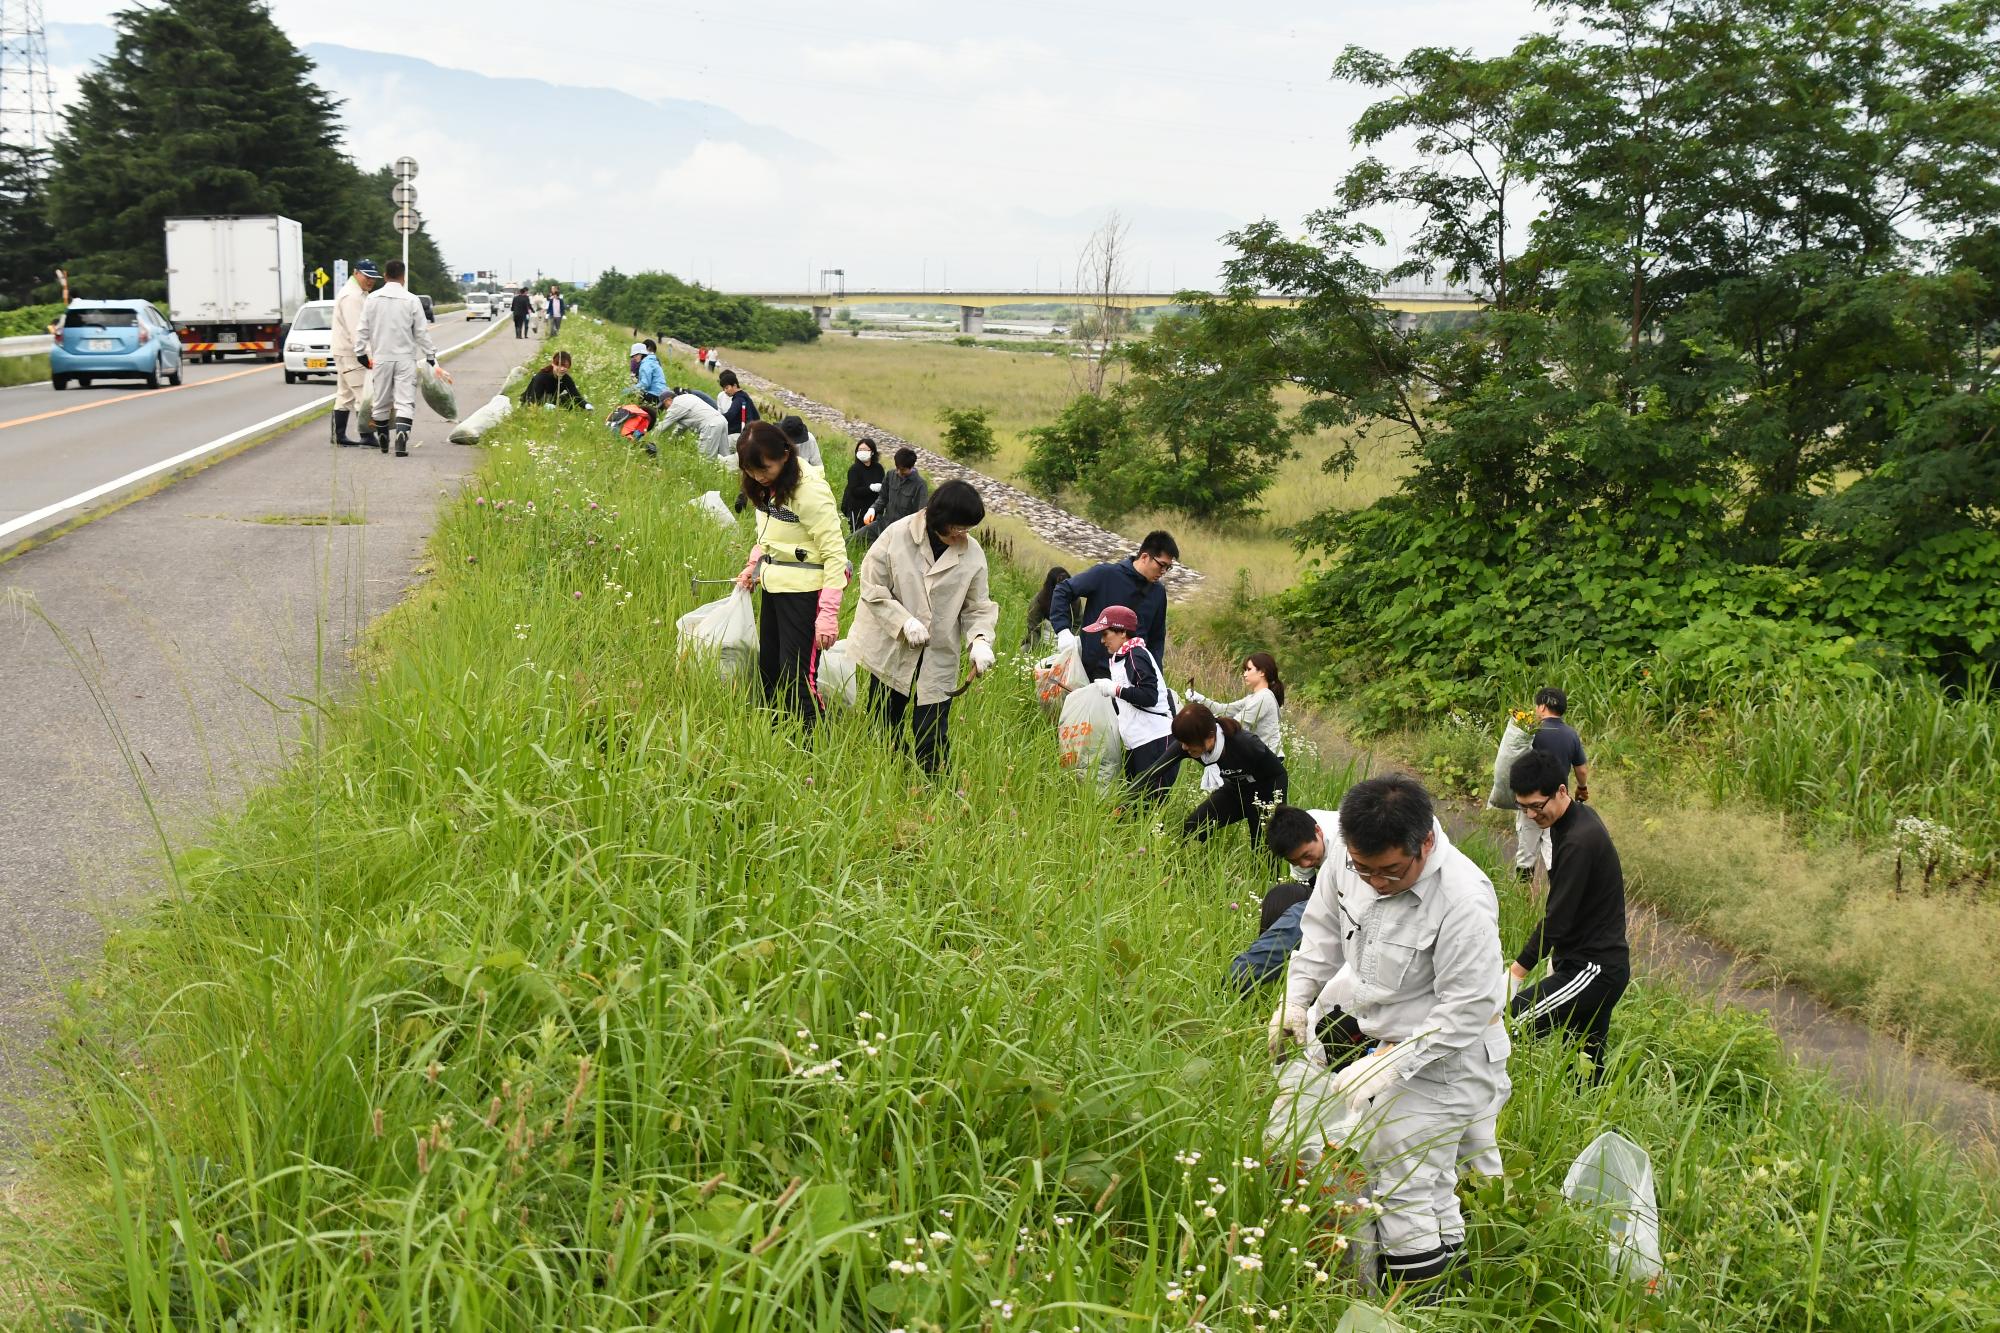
137	397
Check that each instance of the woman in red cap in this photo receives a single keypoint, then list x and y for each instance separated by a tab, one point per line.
1145	705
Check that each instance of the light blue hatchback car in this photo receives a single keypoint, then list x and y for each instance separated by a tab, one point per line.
114	340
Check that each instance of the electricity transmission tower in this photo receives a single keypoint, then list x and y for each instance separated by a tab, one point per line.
27	97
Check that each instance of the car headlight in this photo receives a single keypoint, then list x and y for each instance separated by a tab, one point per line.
295	347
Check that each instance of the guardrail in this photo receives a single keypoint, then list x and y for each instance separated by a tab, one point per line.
32	344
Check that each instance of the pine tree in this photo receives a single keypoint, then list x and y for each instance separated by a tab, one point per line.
206	106
27	240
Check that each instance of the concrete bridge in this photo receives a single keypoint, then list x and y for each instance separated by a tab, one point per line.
973	305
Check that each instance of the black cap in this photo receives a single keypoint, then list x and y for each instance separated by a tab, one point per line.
795	429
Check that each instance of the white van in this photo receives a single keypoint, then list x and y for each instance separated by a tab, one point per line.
478	305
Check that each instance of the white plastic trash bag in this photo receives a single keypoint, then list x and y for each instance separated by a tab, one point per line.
486	418
1514	742
1367	1319
1088	738
1056	675
839	682
1614	1178
727	629
714	506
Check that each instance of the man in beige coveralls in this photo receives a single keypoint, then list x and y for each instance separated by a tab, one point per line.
348	372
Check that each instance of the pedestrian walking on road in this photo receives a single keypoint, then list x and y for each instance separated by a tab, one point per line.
1144	705
1402	933
394	336
1242	777
924	601
904	492
1582	930
1553	736
1134	583
1259	708
557	309
801	561
864	483
350	376
523	307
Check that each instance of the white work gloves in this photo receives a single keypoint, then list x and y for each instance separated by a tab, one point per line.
1288	1028
916	633
1105	688
1368	1078
982	657
868	517
1065	641
1514	983
876	487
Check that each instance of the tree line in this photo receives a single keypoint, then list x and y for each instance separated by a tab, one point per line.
203	106
1734	396
663	303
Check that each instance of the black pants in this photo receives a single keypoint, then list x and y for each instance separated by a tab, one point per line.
520	326
786	660
1233	802
930	724
1578	998
1151	768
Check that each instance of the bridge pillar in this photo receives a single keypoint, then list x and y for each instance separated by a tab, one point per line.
824	314
1406	321
972	319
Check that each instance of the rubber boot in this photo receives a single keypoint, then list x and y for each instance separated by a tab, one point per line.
403	425
380	437
340	436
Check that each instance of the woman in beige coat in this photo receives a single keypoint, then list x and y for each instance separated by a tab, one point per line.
923	596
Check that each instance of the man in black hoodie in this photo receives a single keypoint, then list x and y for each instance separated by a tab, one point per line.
1582	930
1135	582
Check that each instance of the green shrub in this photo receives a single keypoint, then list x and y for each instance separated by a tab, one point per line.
968	435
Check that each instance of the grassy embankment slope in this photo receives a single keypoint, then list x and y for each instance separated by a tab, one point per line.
1763	820
552	987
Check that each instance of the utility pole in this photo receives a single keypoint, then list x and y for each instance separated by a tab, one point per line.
27	97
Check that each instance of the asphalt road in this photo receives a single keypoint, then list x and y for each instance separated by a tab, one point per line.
184	630
55	446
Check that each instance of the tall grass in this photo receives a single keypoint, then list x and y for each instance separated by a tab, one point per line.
558	985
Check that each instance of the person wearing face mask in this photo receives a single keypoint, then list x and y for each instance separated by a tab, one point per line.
923	599
864	483
1258	708
1242	777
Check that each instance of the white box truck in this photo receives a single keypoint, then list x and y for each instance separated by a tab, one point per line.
234	283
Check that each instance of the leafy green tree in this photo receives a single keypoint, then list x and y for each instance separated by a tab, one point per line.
1069	451
968	435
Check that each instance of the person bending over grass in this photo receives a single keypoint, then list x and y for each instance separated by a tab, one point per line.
801	561
1134	583
1582	930
1039	633
1242	777
685	410
1144	704
1402	931
1259	708
923	594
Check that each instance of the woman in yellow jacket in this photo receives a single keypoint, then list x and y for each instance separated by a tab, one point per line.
801	560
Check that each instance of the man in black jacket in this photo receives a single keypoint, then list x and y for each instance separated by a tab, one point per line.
1582	930
522	305
1135	583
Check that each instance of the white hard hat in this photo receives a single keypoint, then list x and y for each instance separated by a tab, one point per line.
637	349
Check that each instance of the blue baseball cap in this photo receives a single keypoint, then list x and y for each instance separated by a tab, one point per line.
366	268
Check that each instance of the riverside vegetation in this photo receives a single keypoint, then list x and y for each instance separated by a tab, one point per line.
548	987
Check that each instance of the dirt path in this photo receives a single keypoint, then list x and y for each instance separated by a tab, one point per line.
1871	1066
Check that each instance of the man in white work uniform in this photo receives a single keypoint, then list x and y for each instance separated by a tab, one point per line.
1402	934
394	336
349	375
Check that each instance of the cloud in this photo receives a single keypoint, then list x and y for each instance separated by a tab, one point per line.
715	173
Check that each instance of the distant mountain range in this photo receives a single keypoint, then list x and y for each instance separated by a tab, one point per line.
519	174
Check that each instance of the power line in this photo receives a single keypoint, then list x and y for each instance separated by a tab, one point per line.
27	96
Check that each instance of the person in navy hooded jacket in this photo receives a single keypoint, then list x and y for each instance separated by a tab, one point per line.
1135	583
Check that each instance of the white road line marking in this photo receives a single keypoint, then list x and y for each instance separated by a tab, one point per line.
85	497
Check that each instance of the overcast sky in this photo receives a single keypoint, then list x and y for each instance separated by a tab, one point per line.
968	145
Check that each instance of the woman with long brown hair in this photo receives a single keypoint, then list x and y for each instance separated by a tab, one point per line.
799	558
1242	777
1259	708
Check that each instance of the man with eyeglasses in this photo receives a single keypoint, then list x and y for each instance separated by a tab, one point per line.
1136	582
1553	736
1582	930
1402	932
